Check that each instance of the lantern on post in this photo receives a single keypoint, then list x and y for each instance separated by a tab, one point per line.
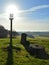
11	19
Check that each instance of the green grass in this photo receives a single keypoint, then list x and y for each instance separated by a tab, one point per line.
20	57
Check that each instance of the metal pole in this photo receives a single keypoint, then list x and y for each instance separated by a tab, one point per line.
11	33
11	18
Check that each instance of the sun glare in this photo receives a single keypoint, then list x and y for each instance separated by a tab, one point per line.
12	9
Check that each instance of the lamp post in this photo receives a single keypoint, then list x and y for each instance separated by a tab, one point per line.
11	18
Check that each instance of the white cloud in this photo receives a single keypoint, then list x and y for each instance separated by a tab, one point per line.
35	8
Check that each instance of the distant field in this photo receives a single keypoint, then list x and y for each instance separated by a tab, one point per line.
22	57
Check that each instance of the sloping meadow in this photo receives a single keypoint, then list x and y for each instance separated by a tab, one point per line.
19	55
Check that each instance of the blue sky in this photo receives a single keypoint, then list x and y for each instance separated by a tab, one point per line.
34	15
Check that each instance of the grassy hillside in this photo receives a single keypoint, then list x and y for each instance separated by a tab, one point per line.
19	55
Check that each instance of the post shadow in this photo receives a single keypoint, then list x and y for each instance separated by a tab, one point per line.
10	57
10	54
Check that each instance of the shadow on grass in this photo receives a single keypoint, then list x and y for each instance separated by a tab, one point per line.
10	57
10	54
9	51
